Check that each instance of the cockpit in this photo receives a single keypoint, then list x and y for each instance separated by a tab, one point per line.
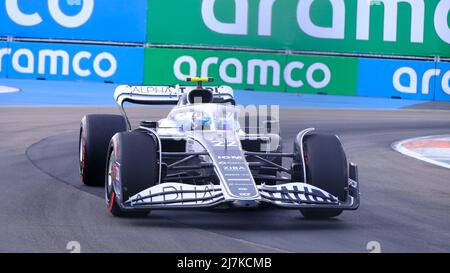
203	108
209	116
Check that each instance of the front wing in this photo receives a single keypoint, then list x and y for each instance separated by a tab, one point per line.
290	195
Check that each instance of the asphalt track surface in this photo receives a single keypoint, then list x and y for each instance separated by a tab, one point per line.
405	202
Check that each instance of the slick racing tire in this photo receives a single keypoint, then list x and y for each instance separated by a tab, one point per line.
95	133
132	166
326	168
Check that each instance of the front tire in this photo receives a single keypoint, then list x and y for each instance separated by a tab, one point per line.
132	166
326	168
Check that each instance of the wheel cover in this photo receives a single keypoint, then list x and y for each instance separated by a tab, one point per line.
109	188
112	183
82	154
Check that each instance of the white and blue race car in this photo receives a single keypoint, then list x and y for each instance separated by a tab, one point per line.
200	156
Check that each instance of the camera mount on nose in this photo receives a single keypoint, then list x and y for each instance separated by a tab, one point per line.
199	80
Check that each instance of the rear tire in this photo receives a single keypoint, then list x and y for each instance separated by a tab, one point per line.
95	133
132	166
326	168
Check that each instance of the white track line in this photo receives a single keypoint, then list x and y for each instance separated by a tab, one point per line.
8	89
398	146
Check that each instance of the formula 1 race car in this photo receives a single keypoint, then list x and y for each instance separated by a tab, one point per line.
199	156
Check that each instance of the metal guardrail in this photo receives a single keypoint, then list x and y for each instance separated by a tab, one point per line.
222	48
300	52
68	41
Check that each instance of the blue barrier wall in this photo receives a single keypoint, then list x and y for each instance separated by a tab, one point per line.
99	20
74	62
4	59
406	79
106	21
395	78
442	84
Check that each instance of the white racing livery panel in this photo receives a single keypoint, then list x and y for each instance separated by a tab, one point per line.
177	194
186	195
161	94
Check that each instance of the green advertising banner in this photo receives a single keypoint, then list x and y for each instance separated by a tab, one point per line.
318	74
259	71
392	27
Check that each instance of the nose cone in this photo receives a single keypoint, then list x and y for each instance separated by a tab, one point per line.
245	203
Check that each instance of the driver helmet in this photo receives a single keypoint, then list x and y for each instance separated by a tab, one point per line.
201	121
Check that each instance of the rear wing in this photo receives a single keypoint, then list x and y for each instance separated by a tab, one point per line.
162	95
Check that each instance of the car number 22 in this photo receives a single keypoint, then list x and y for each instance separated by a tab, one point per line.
223	143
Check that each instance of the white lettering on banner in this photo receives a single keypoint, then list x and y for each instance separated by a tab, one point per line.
239	27
426	79
205	65
29	68
318	67
76	63
411	87
288	74
53	55
264	66
336	31
237	79
177	67
440	20
69	21
390	20
265	11
3	52
105	56
14	12
58	62
445	84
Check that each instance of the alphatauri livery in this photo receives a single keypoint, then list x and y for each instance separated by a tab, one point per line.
205	154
